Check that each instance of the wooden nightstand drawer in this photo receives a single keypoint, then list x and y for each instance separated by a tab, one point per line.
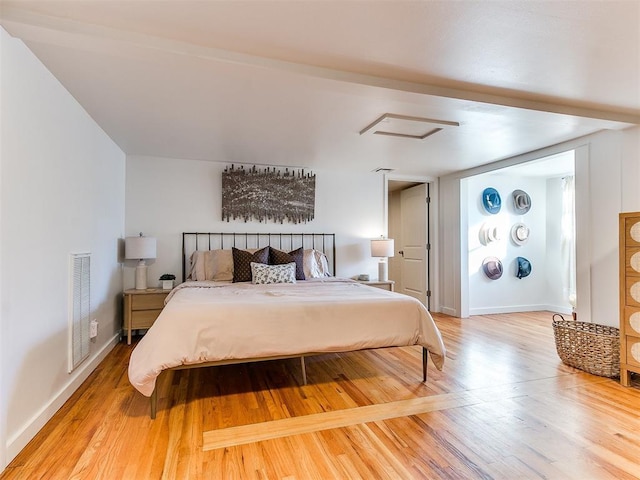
143	318
148	302
141	309
383	284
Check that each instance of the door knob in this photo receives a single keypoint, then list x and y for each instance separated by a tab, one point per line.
401	252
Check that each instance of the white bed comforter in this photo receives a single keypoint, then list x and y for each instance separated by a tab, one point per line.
213	321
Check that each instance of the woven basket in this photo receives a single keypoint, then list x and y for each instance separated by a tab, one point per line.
588	346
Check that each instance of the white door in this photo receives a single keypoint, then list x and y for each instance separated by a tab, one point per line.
413	248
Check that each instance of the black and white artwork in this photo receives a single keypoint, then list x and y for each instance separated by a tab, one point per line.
266	194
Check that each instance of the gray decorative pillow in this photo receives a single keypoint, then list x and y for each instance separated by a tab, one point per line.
262	274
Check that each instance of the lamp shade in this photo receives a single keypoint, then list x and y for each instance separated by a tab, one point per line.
382	247
139	247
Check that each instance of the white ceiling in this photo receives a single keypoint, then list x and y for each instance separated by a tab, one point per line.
557	165
293	83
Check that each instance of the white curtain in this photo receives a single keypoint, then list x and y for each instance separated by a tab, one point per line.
568	240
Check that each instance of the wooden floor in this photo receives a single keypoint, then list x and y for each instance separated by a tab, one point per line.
504	407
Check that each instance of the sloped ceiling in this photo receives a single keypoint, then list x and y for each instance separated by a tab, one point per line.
293	83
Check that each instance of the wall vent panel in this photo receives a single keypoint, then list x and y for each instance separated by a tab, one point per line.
79	309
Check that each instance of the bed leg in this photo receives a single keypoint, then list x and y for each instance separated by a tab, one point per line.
424	364
154	402
304	371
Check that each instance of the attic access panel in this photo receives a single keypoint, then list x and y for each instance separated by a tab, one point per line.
406	127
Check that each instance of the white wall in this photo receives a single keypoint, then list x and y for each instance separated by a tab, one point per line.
62	191
601	197
630	193
454	294
508	293
604	163
3	330
543	289
554	268
395	231
165	197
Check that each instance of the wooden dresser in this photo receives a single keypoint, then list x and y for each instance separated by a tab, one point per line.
141	308
629	295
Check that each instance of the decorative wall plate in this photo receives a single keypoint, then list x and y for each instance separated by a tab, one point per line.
491	200
489	233
521	201
492	267
524	267
520	233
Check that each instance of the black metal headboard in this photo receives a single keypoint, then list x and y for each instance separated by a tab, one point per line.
192	241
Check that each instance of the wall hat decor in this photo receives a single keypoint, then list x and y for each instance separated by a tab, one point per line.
520	233
492	267
268	194
489	233
491	200
521	201
524	267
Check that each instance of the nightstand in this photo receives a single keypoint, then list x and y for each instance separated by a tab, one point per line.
383	284
141	308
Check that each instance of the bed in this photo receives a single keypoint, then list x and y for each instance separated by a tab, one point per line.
210	320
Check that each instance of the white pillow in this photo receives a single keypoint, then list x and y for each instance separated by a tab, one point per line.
197	266
264	274
218	265
221	265
211	265
321	258
315	264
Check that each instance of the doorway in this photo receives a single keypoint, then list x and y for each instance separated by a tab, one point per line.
409	219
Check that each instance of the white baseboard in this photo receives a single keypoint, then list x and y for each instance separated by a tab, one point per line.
18	441
519	308
449	311
557	309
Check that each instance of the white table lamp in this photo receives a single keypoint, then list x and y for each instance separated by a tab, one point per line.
140	248
383	248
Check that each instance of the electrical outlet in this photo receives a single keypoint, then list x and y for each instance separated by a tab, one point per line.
93	329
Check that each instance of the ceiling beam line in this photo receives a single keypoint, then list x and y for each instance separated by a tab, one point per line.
30	26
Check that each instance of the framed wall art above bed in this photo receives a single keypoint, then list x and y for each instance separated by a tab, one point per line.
275	194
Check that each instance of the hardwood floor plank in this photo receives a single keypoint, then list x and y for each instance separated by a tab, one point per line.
504	407
321	421
395	467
